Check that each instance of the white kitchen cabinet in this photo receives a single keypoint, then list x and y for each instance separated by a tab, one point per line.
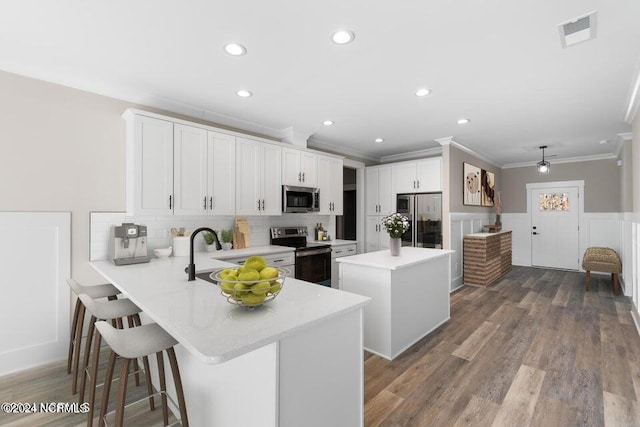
417	176
190	170
299	168
258	178
378	194
149	165
204	172
376	237
339	252
330	183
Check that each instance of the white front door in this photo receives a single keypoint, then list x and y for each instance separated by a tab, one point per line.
554	227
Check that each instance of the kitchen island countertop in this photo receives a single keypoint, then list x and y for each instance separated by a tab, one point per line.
382	259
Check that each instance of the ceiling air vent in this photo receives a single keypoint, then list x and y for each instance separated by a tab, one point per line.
578	30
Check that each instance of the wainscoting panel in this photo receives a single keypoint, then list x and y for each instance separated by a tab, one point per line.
518	223
34	310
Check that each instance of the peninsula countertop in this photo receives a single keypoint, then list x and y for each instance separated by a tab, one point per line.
383	259
201	319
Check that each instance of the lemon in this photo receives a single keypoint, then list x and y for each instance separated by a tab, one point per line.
268	273
260	288
252	299
275	287
241	289
249	275
255	262
227	287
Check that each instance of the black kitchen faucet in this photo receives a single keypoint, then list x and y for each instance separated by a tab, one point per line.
191	268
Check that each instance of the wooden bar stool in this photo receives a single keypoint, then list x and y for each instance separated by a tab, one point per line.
115	311
130	344
77	324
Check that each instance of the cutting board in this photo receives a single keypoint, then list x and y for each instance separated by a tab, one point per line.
241	233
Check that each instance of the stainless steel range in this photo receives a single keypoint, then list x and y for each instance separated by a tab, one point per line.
313	260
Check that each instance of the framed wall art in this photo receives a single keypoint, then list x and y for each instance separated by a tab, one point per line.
487	188
471	195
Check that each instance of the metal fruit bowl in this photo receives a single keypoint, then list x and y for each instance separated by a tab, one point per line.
251	296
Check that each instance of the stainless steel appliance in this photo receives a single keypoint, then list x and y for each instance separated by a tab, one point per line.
425	215
300	199
313	260
128	244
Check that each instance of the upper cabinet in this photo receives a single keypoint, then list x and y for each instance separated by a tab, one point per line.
378	192
204	172
299	168
258	178
330	183
419	176
149	166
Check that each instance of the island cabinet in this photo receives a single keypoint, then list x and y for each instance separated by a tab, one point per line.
296	361
409	295
486	257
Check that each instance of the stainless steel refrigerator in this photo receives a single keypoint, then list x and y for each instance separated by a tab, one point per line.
425	216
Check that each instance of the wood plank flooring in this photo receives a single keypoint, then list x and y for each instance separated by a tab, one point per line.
534	349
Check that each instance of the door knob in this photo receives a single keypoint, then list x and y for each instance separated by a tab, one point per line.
535	232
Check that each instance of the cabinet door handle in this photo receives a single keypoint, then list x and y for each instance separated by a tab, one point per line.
299	177
211	203
278	260
262	204
205	203
258	204
418	183
302	176
338	252
169	201
351	250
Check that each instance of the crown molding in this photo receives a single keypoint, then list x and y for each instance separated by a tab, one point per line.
317	144
634	95
621	138
143	99
606	156
412	155
448	140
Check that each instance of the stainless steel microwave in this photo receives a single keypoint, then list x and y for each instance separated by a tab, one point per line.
300	199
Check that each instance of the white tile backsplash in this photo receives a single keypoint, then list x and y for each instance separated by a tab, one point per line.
159	234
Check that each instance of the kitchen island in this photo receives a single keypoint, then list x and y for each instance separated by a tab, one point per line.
296	360
409	295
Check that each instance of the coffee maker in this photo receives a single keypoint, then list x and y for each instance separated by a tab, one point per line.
128	244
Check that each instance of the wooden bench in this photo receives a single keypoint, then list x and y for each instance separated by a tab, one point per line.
604	260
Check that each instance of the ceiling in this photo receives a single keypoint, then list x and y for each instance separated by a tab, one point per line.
497	63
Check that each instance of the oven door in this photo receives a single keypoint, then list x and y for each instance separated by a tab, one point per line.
314	266
300	199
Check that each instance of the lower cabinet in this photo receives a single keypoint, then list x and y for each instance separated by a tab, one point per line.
339	252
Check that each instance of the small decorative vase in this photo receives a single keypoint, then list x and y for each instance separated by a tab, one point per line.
211	248
498	221
226	246
395	243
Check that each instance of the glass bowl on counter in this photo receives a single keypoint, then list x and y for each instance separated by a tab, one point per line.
250	293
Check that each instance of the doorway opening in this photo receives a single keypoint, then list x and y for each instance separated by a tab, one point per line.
346	224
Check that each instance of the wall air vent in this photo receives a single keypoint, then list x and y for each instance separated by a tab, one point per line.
578	30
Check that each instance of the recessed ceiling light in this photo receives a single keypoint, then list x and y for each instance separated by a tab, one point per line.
379	139
463	121
327	122
343	37
235	49
423	92
243	93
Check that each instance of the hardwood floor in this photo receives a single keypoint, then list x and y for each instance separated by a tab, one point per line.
533	349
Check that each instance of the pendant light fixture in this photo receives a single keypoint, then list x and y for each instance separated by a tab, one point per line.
543	165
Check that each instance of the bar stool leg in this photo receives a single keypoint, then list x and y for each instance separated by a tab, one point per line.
587	280
72	334
122	392
178	383
163	388
147	371
87	353
94	377
107	388
76	350
136	368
